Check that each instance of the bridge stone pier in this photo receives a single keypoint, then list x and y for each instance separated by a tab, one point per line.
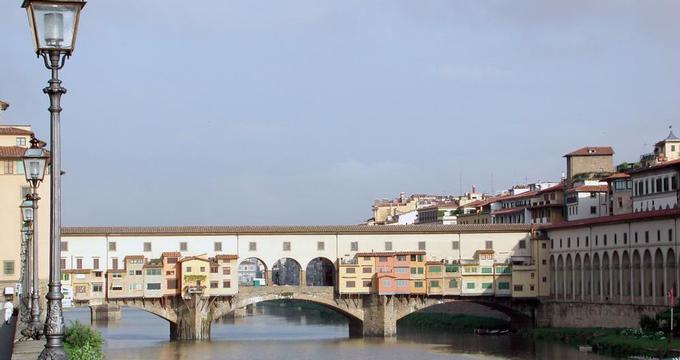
368	315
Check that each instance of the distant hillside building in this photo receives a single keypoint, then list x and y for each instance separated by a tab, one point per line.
588	163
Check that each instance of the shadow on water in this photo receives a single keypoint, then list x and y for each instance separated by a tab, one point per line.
294	331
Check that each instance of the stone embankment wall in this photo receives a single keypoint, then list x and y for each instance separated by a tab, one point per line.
573	314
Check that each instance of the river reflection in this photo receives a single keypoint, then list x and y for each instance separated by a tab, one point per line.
285	332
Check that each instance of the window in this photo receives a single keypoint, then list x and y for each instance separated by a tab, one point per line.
387	283
402	283
21	141
226	284
214	284
421	245
9	167
401	257
188	268
367	270
522	244
320	246
646	236
252	246
503	270
202	268
153	286
470	285
434	283
544	279
114	263
226	270
218	246
382	259
488	245
112	246
543	246
487	270
593	209
435	269
62	263
147	247
544	262
568	243
171	284
183	246
451	268
79	263
286	246
8	267
354	246
351	284
625	238
658	235
172	260
670	234
587	241
455	245
350	270
636	237
95	263
604	239
388	246
138	272
401	270
453	284
504	285
214	269
418	284
518	288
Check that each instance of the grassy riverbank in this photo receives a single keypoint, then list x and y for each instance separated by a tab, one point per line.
613	342
451	322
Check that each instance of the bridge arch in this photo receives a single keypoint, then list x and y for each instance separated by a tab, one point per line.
287	271
320	271
152	306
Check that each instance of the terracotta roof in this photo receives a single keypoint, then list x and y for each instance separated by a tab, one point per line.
8	130
77	271
385	275
153	265
667	164
171	254
14	152
592	151
603	220
485	251
133	257
115	271
304	229
523	195
226	257
590	188
616	176
194	258
440	262
557	187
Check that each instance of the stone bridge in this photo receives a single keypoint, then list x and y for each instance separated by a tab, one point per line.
368	315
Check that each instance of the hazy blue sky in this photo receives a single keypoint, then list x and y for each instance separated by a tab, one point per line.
282	112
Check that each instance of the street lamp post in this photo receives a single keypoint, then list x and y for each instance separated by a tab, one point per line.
25	273
54	24
35	164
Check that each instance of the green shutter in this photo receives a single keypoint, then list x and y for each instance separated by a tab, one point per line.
503	285
470	285
487	285
487	270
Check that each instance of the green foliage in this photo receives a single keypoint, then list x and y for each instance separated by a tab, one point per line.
648	323
451	322
83	343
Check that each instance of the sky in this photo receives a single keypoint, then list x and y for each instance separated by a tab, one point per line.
304	111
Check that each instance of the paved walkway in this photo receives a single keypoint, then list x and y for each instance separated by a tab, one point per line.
28	350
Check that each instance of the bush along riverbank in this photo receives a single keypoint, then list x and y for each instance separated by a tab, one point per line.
451	322
612	342
83	343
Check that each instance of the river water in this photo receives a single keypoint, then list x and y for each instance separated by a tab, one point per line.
281	332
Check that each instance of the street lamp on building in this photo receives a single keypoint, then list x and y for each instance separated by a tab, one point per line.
35	166
54	24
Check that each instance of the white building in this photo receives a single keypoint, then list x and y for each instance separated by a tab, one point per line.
587	199
656	187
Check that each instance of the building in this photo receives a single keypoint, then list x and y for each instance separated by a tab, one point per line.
445	213
194	275
547	205
620	193
170	259
386	210
14	139
224	277
655	187
476	212
587	199
665	150
590	162
154	281
133	281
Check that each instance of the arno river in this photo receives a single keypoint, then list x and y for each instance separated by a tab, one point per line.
279	333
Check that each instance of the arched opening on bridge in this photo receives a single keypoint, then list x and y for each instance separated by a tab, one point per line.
286	271
616	277
659	278
320	272
553	280
637	277
569	278
671	270
560	277
647	274
587	278
252	272
578	277
606	277
597	289
626	276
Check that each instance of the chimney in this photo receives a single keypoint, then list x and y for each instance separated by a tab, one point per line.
402	197
3	106
473	189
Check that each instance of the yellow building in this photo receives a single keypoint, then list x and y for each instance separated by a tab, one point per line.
355	275
478	274
503	279
452	279
87	286
14	139
195	273
530	279
418	278
435	277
